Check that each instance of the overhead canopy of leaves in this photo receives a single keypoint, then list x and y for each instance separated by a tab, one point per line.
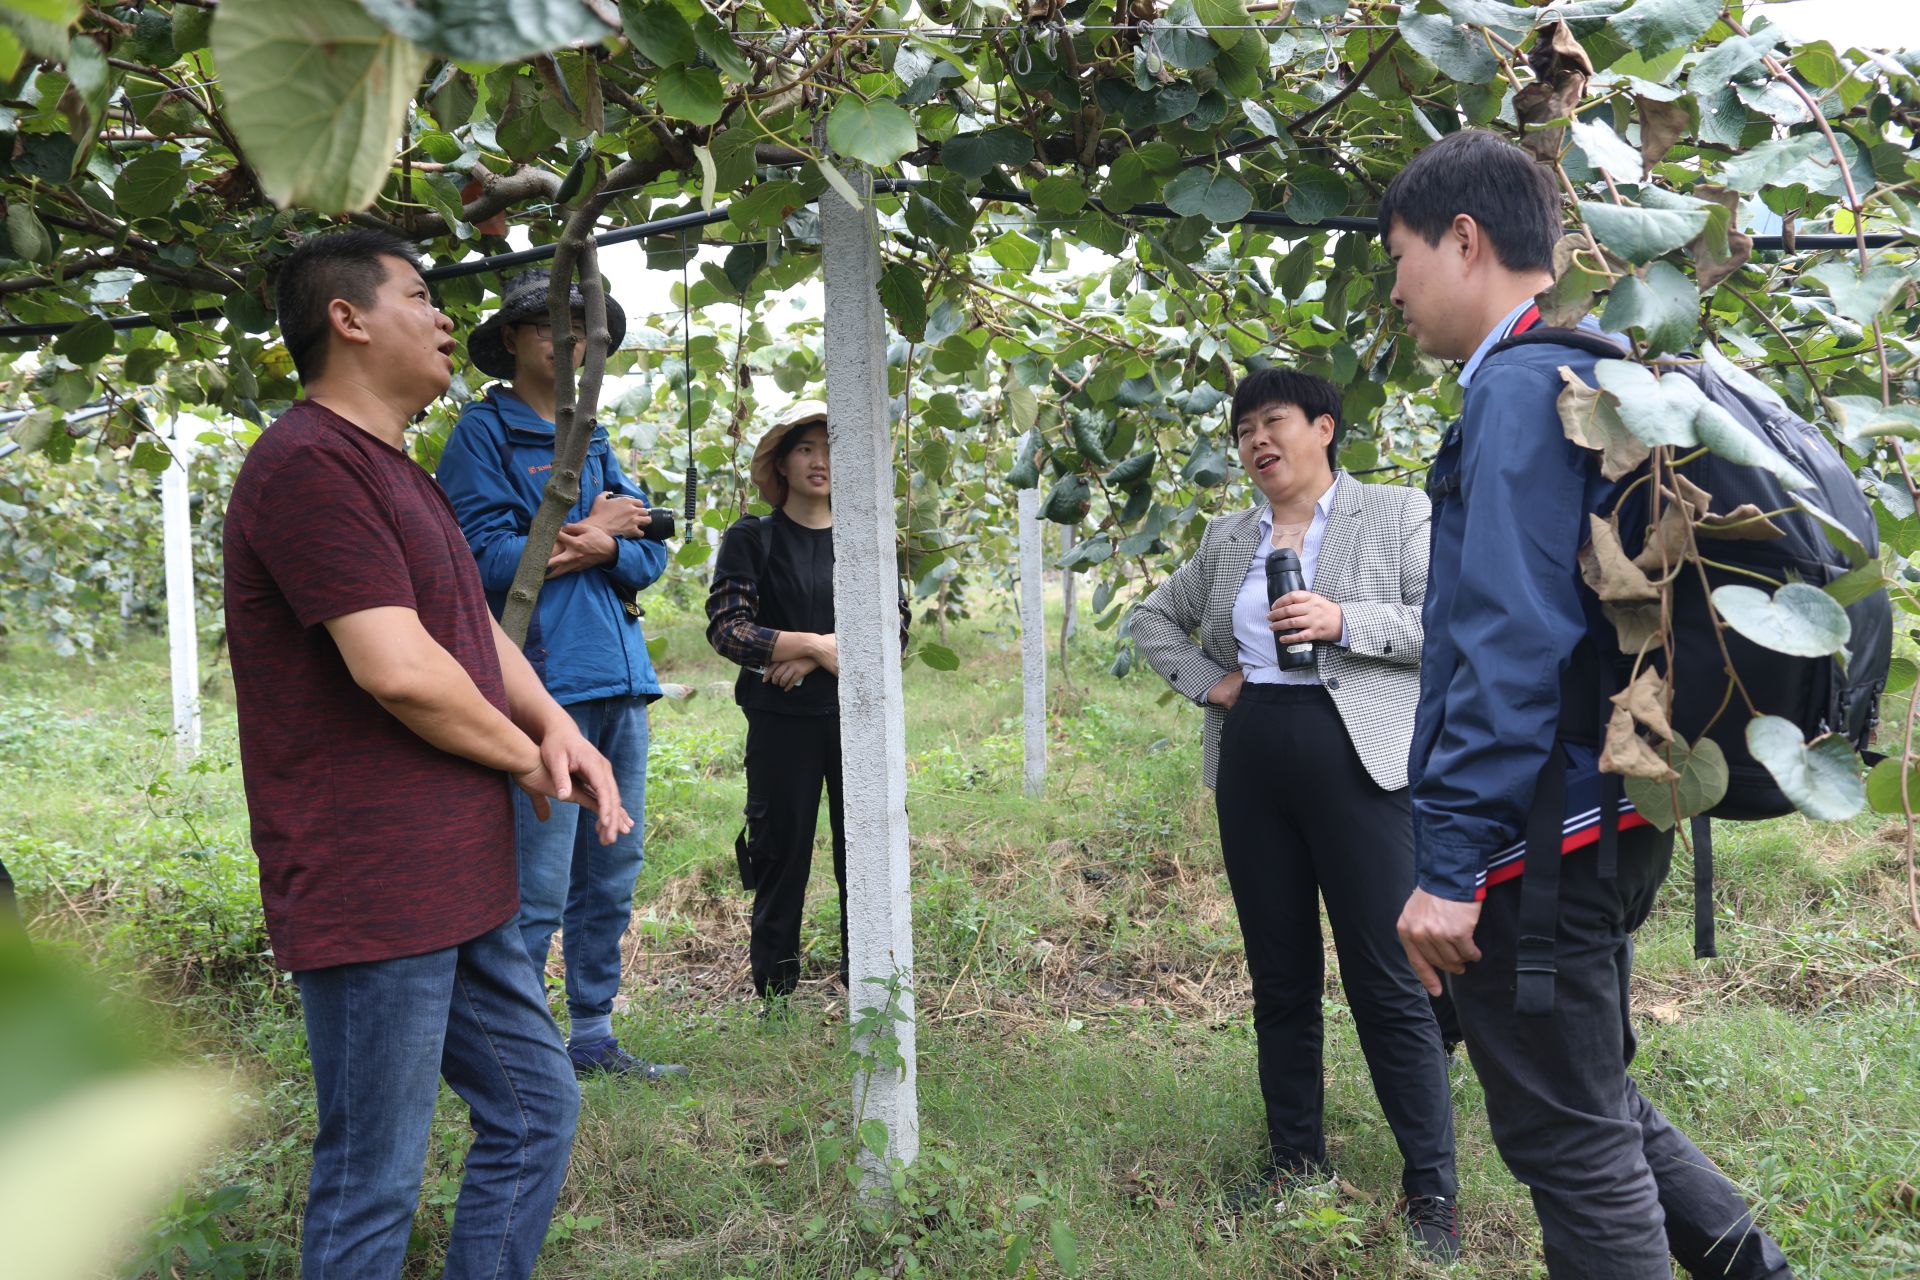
1048	332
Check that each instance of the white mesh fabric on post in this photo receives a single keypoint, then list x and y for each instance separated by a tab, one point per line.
183	633
873	743
1033	646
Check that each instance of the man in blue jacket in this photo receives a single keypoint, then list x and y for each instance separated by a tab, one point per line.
586	642
1504	753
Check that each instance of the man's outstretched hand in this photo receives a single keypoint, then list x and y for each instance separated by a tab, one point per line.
1438	935
572	769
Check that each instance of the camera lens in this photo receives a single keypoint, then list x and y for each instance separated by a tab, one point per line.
659	524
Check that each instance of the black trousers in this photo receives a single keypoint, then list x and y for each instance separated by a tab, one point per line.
1301	819
788	758
1616	1186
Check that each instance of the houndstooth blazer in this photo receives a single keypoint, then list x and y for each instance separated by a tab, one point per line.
1372	563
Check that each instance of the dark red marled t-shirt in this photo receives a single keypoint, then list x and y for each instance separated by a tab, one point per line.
372	843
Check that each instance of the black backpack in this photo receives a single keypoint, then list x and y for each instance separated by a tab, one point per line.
1818	695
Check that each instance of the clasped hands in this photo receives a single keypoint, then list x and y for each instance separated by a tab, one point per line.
594	541
570	768
822	651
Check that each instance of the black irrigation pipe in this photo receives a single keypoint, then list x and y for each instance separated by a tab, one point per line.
884	186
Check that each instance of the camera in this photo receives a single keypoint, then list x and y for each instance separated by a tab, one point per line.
659	525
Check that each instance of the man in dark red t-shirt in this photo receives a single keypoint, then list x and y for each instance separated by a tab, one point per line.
381	709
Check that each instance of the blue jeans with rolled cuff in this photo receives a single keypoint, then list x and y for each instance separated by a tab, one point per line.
381	1036
571	882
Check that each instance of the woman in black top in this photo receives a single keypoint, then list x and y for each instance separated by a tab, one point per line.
771	611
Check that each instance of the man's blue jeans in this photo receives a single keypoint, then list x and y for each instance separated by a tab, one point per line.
381	1035
568	878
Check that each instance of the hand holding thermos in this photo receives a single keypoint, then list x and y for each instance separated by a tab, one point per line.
1284	577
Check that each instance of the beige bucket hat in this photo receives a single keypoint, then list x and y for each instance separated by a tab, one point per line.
772	486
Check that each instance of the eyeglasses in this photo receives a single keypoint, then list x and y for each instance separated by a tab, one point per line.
545	330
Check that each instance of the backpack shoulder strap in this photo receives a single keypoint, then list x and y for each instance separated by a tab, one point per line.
1534	968
1701	827
1579	339
763	538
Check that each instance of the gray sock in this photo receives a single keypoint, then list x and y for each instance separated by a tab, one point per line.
589	1030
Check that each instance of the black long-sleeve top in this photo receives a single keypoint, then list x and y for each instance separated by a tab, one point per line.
766	582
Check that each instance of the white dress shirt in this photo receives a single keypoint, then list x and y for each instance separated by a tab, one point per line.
1499	333
1251	631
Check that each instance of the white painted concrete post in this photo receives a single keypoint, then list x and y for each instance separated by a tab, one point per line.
1033	645
873	743
183	636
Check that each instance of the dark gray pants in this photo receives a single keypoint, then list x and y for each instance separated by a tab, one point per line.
1300	819
1617	1187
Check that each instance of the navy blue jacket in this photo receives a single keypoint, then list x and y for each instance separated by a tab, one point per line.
1504	612
583	642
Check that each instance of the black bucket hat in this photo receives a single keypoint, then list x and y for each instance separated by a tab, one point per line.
524	301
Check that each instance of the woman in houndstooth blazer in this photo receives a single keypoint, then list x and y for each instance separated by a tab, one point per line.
1309	770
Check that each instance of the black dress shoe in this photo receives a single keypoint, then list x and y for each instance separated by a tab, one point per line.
1434	1224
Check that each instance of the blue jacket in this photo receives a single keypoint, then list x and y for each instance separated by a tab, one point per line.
1505	609
583	642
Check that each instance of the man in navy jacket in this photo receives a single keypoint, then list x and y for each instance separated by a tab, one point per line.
586	642
1510	628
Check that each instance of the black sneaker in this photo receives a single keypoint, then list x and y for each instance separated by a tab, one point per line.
1274	1185
607	1058
1434	1224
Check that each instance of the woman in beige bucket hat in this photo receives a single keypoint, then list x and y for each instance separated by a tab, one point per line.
771	611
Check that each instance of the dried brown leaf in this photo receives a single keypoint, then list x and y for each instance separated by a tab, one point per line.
1745	522
1906	1196
1545	145
1667	548
1692	494
1557	53
1637	625
1646	701
1606	569
1710	268
1628	754
1591	421
1545	100
1561	69
1578	277
1661	125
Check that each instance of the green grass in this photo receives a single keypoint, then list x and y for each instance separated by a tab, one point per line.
1086	1059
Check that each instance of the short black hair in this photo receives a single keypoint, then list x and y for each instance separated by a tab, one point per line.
340	264
1502	188
1278	384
